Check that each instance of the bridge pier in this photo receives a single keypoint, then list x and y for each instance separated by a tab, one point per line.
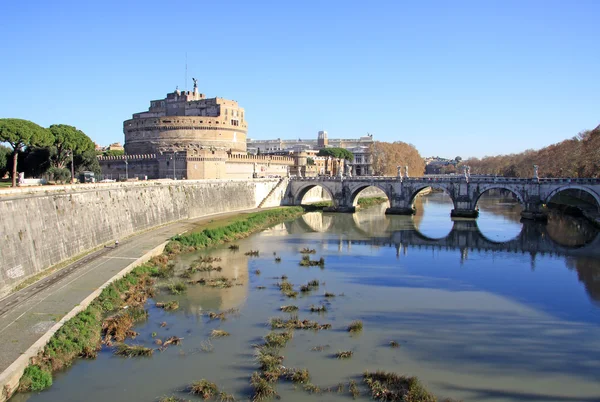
400	211
534	211
464	213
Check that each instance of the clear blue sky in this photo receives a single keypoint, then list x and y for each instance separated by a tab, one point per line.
468	78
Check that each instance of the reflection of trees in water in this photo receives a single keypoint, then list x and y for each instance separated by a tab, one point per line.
588	273
570	231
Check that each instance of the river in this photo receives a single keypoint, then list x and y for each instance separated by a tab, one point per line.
486	310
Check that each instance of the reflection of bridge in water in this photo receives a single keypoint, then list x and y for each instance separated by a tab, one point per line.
401	233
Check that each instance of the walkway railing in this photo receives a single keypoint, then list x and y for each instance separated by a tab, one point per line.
454	179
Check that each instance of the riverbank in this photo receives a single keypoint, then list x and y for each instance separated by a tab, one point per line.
84	334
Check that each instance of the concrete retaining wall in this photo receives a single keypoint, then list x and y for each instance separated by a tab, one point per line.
44	226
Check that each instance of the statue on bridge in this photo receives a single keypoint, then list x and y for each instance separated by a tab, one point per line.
406	171
536	175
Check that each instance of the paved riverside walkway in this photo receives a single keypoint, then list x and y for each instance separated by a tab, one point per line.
27	314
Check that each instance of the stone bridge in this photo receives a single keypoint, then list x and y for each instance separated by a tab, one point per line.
464	191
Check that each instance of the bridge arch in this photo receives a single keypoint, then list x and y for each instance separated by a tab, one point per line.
418	189
513	191
298	196
355	190
574	187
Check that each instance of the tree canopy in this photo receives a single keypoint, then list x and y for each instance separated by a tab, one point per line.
575	157
68	139
387	156
339	153
20	134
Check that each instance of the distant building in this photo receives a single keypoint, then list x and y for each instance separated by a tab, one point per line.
362	164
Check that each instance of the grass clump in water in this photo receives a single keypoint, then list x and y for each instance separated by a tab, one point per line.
370	201
171	399
394	344
252	253
288	309
219	282
218	333
307	250
295	323
344	354
35	379
307	262
177	288
278	339
329	295
168	306
257	272
355	326
204	388
277	259
118	326
285	286
132	350
394	387
269	360
263	389
318	309
234	247
297	376
353	388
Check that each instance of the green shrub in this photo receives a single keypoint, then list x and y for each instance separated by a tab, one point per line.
35	379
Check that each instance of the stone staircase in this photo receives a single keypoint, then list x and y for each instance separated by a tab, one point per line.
281	185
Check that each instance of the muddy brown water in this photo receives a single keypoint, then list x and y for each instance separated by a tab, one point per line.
478	313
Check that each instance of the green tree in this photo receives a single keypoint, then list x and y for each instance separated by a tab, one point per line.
67	140
4	154
20	134
339	153
310	161
114	152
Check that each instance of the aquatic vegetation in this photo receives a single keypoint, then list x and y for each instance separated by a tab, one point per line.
288	309
291	294
218	333
220	282
168	306
208	259
320	348
257	272
234	247
278	339
171	399
307	262
132	350
285	286
297	376
35	379
269	360
355	326
307	250
252	253
261	287
118	326
394	344
394	387
207	346
344	354
225	397
177	288
295	323
163	324
312	388
353	388
328	295
223	314
174	340
277	259
318	309
284	277
263	389
204	389
314	283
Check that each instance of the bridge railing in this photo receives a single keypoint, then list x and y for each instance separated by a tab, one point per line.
453	179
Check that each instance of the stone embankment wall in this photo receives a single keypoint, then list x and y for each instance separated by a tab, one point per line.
44	226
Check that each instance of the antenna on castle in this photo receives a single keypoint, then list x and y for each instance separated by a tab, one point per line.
186	71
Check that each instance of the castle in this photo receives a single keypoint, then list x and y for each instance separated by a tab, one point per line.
189	136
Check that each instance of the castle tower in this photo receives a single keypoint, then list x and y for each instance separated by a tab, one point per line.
322	141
